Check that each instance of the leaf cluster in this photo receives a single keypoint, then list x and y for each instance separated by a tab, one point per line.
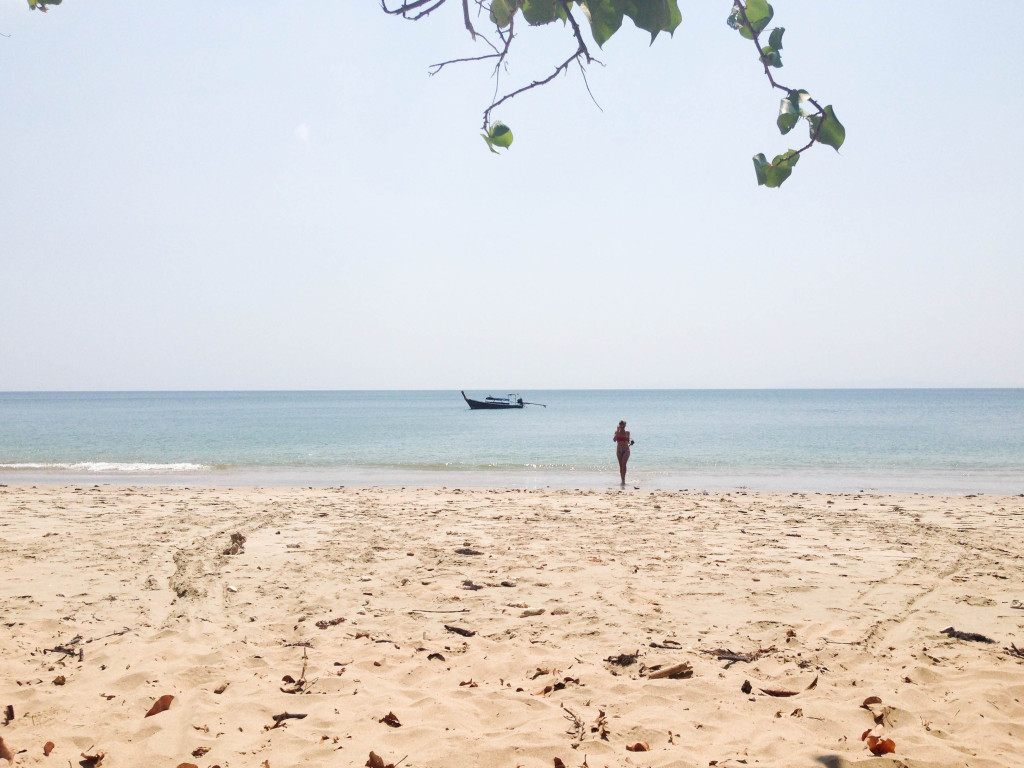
605	16
751	19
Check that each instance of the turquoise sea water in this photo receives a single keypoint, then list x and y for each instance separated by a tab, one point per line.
958	441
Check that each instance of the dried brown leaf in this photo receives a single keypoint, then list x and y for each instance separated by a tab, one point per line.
391	719
8	713
880	746
778	692
187	765
59	680
5	753
559	763
376	761
200	751
92	761
640	746
161	705
48	748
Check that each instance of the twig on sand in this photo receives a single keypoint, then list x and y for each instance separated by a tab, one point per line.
124	631
973	636
422	610
725	654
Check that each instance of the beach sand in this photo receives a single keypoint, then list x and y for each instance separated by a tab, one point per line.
509	628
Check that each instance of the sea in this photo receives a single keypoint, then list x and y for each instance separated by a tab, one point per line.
959	441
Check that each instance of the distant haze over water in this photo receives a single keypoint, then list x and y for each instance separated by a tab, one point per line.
926	440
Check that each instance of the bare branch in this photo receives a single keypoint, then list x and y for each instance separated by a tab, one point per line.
435	68
576	32
583	73
507	40
412	5
535	84
465	16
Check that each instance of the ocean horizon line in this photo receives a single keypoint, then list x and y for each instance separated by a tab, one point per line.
505	390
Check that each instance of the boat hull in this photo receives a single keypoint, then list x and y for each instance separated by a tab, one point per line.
490	405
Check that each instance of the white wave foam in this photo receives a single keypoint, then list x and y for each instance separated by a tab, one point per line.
137	467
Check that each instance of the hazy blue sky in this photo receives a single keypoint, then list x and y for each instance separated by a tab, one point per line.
271	195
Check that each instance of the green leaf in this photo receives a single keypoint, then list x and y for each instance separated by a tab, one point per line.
540	11
775	40
771	57
605	19
653	16
791	110
777	171
499	135
502	12
827	129
735	20
759	13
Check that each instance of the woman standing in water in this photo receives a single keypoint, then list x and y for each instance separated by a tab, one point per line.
622	443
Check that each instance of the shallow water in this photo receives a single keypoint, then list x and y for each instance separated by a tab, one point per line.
954	441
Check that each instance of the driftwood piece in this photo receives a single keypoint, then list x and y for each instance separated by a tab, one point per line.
1013	650
677	672
460	630
287	716
973	636
623	659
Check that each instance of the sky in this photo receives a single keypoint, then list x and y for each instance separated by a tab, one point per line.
277	195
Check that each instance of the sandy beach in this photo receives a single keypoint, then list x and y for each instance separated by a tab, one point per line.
454	627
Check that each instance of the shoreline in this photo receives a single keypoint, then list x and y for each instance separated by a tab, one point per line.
348	593
939	482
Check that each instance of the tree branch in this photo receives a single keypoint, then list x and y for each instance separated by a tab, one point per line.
465	16
742	9
535	84
581	55
435	68
412	5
